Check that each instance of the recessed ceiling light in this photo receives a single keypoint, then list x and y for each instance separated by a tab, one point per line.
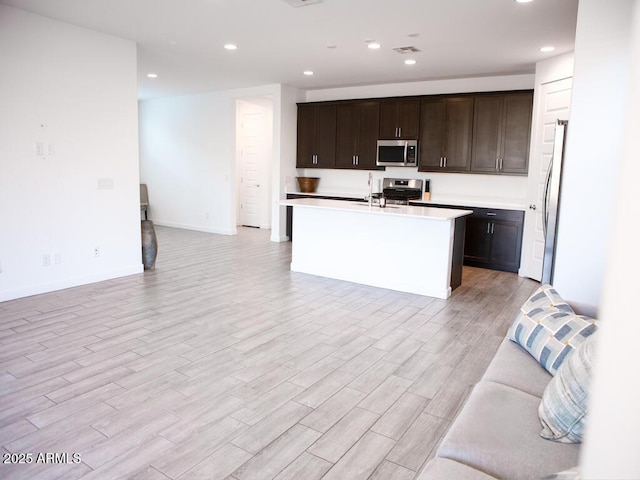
332	46
231	46
308	73
547	49
413	34
524	1
374	45
409	61
152	75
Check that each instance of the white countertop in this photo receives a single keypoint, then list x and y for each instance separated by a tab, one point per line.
427	213
479	202
439	199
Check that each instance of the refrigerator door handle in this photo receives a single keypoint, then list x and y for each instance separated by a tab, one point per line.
545	202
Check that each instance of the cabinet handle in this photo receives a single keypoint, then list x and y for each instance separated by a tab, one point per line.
357	159
399	131
491	214
497	164
445	162
440	162
488	228
492	225
501	164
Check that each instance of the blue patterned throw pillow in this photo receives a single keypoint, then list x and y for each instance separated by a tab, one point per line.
563	408
548	328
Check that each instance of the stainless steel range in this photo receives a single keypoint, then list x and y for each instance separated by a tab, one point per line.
398	191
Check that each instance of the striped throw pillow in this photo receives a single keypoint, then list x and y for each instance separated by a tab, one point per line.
563	408
548	328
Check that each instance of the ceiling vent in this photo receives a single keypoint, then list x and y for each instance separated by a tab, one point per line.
302	3
404	50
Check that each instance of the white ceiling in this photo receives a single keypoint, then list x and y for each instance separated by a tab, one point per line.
182	40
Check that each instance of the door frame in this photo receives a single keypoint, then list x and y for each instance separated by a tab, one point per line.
533	237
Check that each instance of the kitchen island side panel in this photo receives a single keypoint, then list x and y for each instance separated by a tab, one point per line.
407	254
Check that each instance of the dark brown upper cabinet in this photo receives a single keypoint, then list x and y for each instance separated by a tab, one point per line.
446	125
316	136
400	118
357	127
501	133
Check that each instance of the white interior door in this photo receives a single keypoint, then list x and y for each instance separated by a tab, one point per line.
553	103
252	158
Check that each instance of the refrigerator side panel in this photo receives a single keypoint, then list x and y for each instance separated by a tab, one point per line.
552	201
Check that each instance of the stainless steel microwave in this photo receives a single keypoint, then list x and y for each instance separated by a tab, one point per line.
397	153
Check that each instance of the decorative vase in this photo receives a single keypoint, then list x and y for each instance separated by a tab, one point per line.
149	244
308	184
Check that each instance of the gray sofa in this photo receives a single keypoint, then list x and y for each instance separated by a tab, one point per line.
497	432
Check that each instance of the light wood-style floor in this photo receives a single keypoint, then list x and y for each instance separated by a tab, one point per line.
222	363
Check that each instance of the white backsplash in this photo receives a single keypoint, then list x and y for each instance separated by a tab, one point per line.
495	190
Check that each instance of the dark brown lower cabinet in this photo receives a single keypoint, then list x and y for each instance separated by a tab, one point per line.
494	239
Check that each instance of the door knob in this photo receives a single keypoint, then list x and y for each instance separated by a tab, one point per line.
533	206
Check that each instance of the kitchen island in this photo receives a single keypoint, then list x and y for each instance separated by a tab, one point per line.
411	249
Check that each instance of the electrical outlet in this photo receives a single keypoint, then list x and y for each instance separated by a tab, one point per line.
96	252
46	260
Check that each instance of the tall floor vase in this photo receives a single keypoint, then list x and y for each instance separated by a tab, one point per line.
149	244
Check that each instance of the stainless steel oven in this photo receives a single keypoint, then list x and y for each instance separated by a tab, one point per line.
399	191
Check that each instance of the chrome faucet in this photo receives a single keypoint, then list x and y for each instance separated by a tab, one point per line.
370	183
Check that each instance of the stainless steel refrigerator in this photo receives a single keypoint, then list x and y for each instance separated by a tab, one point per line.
551	204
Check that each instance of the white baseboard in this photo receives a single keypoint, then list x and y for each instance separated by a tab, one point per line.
197	228
29	290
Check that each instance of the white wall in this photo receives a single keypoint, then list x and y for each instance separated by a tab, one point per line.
284	170
509	191
594	146
187	160
611	447
187	157
76	90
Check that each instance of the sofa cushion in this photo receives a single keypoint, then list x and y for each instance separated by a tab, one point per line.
445	469
563	408
498	432
513	366
570	474
548	328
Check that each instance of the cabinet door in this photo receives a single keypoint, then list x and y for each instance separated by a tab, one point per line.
486	133
316	136
400	118
458	130
446	125
477	240
357	135
501	133
506	245
307	127
348	131
432	125
516	133
369	121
